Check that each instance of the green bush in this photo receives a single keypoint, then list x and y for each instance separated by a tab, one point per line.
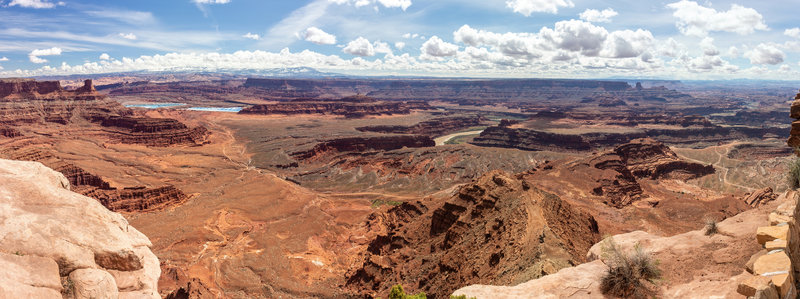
627	272
794	174
398	293
461	297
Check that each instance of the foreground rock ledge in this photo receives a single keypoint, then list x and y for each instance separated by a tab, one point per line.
54	242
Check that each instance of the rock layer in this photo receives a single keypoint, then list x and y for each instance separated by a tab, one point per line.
434	127
51	234
348	107
137	199
495	230
24	102
616	172
363	144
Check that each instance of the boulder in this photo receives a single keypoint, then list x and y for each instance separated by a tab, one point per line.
756	284
70	235
769	233
92	284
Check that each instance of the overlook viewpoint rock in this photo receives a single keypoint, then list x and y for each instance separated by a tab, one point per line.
55	242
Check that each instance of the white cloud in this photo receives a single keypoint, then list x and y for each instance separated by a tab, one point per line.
252	36
381	47
436	47
402	4
593	15
105	56
765	54
129	36
34	55
317	36
793	32
627	43
697	20
734	52
211	1
3	58
359	47
35	4
400	45
527	7
707	45
576	36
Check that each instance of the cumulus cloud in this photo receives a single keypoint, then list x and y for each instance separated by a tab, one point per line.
252	36
129	36
34	55
597	16
3	58
436	47
105	56
527	7
697	20
765	54
381	47
793	32
317	36
707	45
576	36
211	1
627	43
400	45
359	47
402	4
35	4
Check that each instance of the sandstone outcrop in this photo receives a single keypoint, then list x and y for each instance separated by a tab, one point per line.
349	107
24	102
153	131
497	229
534	140
364	144
616	172
434	127
58	242
137	199
692	264
794	138
760	197
481	90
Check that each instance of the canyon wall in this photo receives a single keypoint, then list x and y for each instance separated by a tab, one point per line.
435	127
365	144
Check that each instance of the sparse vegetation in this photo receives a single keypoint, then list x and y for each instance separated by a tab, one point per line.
461	297
398	293
379	202
628	273
794	173
711	226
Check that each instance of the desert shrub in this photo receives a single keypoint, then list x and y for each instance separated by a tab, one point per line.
794	173
461	297
711	226
628	272
398	293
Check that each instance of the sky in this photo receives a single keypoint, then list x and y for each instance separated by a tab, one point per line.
675	39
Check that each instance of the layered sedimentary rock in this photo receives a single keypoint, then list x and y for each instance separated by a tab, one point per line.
24	102
57	242
497	230
365	144
630	118
153	131
137	199
616	172
429	89
349	107
794	135
760	197
534	140
434	127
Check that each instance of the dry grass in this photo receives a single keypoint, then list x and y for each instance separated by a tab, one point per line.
711	226
794	174
629	272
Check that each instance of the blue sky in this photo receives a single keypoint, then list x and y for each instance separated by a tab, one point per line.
676	39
